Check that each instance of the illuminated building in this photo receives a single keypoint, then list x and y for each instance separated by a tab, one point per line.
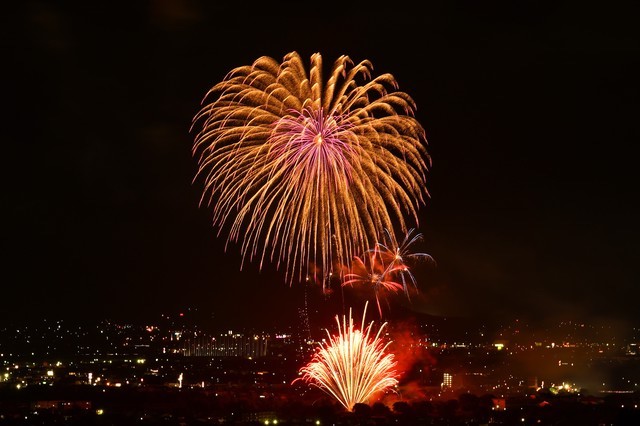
230	344
447	381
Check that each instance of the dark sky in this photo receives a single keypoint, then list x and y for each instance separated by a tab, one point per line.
531	111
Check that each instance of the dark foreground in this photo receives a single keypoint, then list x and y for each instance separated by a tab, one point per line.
91	405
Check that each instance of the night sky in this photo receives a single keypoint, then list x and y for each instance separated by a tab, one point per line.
531	111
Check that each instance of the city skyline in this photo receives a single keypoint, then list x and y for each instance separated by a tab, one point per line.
529	111
116	371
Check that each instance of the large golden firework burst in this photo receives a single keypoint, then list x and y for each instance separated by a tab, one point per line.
305	173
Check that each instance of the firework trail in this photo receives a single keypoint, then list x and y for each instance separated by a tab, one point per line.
371	272
398	258
352	366
386	267
305	172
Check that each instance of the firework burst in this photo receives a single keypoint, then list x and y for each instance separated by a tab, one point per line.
306	172
387	267
399	258
352	366
371	272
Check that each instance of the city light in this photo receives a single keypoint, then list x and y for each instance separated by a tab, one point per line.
526	377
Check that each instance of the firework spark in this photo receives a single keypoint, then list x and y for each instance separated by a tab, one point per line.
371	272
307	172
399	258
386	268
352	366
